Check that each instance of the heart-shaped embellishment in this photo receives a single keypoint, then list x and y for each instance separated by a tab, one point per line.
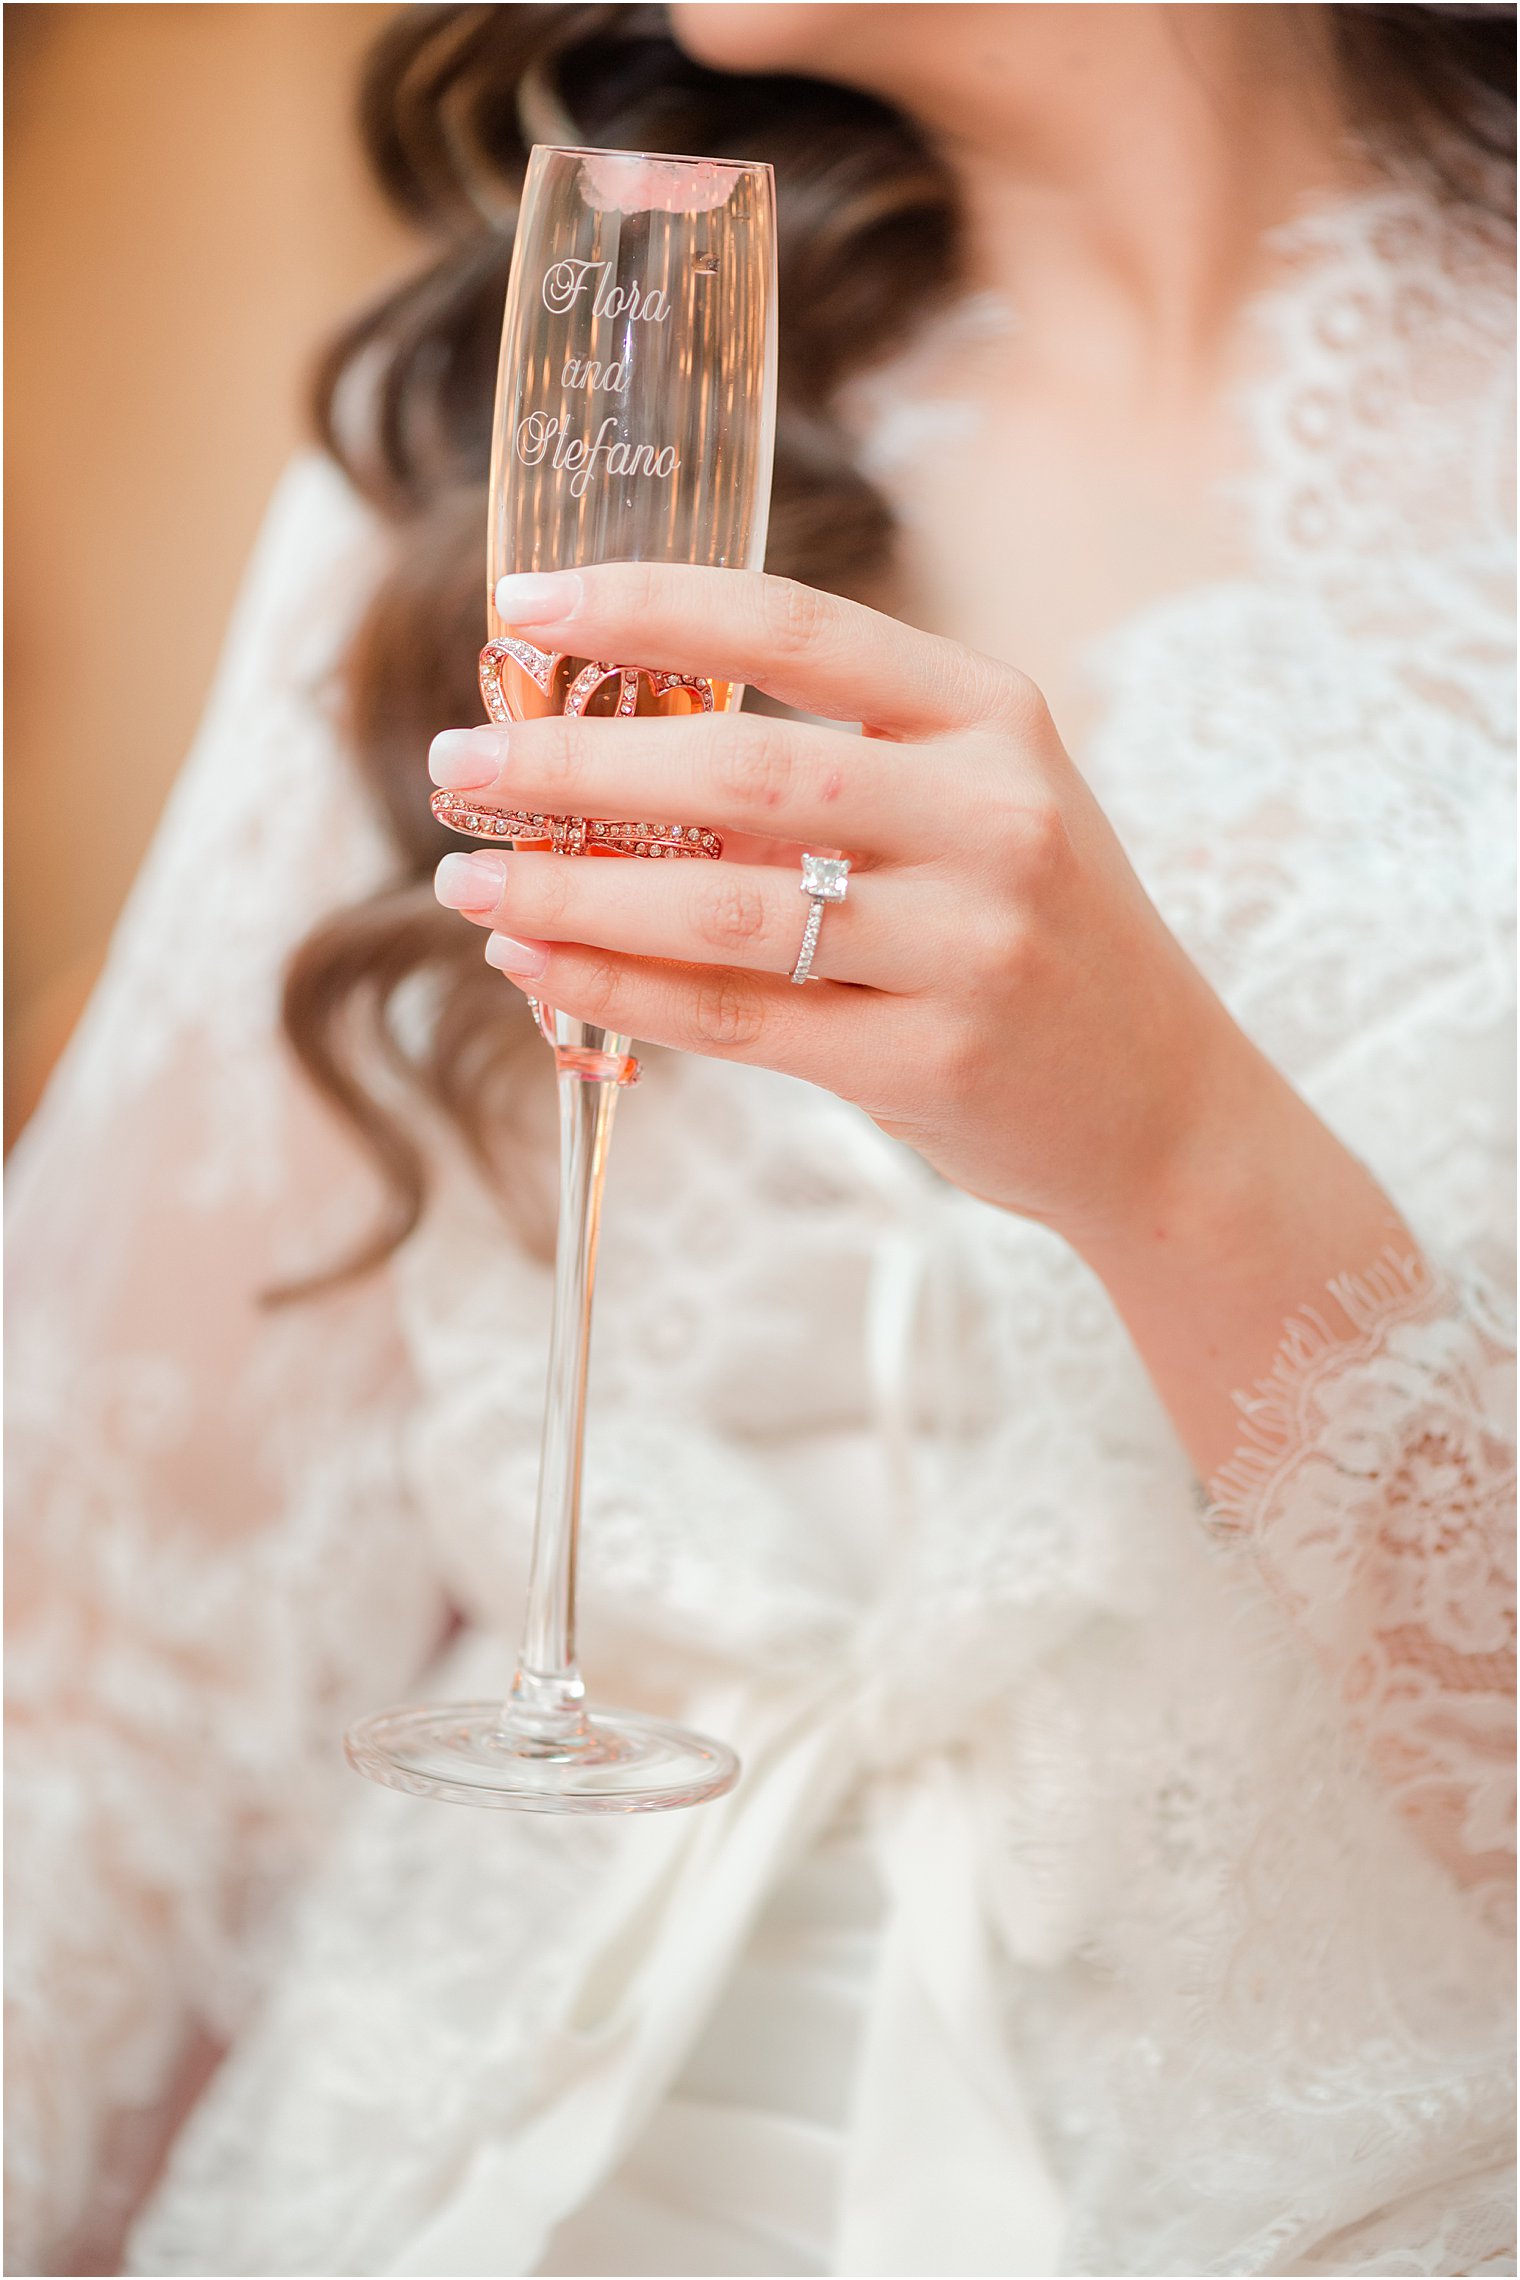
578	685
575	686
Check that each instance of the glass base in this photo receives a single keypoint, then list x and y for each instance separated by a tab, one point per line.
479	1753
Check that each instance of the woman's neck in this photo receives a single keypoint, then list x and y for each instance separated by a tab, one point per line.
1119	165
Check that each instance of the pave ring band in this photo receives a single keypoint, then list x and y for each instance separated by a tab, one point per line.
825	879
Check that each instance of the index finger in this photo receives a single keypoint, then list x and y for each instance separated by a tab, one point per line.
807	648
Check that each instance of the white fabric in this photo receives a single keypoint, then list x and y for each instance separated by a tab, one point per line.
1165	1847
745	2152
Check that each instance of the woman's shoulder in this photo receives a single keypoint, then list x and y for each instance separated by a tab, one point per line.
318	552
315	499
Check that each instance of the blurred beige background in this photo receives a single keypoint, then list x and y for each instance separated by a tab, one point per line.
187	214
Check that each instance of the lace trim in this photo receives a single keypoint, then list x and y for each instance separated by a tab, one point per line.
1279	1411
1376	1490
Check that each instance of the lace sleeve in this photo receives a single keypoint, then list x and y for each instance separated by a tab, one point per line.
211	1558
1375	1486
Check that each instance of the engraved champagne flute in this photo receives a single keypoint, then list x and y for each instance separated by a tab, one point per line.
635	414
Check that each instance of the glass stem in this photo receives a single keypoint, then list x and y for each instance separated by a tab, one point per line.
547	1693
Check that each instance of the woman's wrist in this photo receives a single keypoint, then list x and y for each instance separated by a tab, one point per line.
1248	1218
1203	1183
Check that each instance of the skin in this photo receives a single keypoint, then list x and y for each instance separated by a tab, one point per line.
997	990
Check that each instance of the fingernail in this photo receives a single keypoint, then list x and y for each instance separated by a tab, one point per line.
462	759
532	597
470	882
522	960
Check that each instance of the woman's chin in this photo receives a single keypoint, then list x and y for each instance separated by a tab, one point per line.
758	37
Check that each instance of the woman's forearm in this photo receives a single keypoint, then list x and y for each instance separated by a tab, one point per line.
1263	1208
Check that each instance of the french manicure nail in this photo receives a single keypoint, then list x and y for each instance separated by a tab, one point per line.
532	597
524	961
470	882
462	759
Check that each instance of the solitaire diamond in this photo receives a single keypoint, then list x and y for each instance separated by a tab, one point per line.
825	876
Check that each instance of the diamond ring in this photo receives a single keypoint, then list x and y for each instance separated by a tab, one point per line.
825	879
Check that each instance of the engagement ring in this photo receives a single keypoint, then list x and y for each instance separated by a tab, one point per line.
825	879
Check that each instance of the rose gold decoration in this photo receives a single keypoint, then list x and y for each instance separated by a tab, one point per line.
541	665
572	834
576	834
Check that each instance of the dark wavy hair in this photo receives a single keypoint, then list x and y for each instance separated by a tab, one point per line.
452	98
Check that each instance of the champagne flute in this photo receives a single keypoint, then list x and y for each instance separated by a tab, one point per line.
635	412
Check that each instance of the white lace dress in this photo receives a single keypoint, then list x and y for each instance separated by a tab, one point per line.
1117	1879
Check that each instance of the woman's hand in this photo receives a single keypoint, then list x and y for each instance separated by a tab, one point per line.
998	989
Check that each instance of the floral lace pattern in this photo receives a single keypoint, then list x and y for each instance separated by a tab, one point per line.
1377	1488
876	1484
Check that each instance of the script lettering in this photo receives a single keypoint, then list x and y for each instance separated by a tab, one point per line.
567	281
585	372
539	438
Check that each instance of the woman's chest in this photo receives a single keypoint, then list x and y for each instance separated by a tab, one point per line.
1029	525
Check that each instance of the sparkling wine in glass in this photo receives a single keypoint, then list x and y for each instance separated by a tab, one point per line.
635	412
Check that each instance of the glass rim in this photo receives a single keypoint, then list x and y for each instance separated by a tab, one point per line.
658	157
